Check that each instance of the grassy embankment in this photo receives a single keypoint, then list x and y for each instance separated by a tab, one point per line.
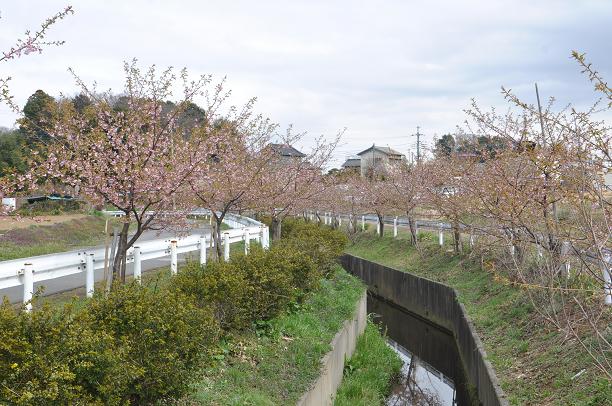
75	231
47	239
536	364
276	363
369	373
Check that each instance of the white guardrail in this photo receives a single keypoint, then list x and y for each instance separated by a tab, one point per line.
26	271
566	251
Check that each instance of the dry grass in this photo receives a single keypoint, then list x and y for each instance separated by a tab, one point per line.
14	222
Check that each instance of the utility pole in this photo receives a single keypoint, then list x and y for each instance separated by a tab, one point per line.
418	135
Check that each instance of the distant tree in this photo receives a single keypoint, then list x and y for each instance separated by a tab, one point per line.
39	116
190	117
81	101
445	146
334	172
12	152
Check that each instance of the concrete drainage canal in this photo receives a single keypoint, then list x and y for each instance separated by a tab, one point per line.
444	360
432	373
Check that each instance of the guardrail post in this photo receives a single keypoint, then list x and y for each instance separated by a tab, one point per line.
565	250
28	285
202	250
89	275
605	267
173	258
339	220
395	227
266	243
247	241
226	247
441	236
362	223
137	265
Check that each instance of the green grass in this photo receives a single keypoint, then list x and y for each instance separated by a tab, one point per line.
369	373
40	240
534	362
276	363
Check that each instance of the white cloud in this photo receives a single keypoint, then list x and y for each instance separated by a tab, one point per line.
377	68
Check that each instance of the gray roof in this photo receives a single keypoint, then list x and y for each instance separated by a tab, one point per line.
287	150
352	163
384	150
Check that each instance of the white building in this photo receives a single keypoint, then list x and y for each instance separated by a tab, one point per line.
379	159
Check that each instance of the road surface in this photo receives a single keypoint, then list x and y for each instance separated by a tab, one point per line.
70	282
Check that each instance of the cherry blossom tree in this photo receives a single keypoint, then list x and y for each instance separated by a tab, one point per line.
235	167
408	193
31	42
135	159
291	186
545	197
374	194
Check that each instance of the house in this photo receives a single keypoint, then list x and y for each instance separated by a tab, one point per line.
287	153
379	159
352	164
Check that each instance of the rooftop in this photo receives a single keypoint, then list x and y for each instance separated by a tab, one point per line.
384	150
287	150
352	163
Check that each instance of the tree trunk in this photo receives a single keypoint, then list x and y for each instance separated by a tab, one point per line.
276	228
381	221
457	246
120	260
413	230
216	233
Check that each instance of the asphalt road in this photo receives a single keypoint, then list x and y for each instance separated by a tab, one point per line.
67	283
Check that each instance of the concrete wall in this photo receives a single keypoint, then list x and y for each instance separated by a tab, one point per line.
438	303
323	391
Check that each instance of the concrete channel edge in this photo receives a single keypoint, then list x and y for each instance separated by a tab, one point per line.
323	390
437	303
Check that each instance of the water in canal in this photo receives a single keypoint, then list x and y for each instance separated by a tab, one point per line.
432	373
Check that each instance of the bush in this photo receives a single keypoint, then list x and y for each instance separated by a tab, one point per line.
165	337
249	288
49	207
323	244
219	285
140	345
136	346
52	357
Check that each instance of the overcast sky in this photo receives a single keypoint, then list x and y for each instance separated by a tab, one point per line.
378	68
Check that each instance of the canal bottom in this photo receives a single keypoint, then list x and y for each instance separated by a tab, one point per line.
432	373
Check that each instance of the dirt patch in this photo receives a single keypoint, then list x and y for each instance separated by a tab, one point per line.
12	223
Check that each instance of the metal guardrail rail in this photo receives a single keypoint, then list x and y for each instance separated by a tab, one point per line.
567	250
26	271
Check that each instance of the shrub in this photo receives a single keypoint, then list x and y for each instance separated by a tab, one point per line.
49	207
323	244
164	335
51	356
250	288
140	345
270	278
219	285
304	272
